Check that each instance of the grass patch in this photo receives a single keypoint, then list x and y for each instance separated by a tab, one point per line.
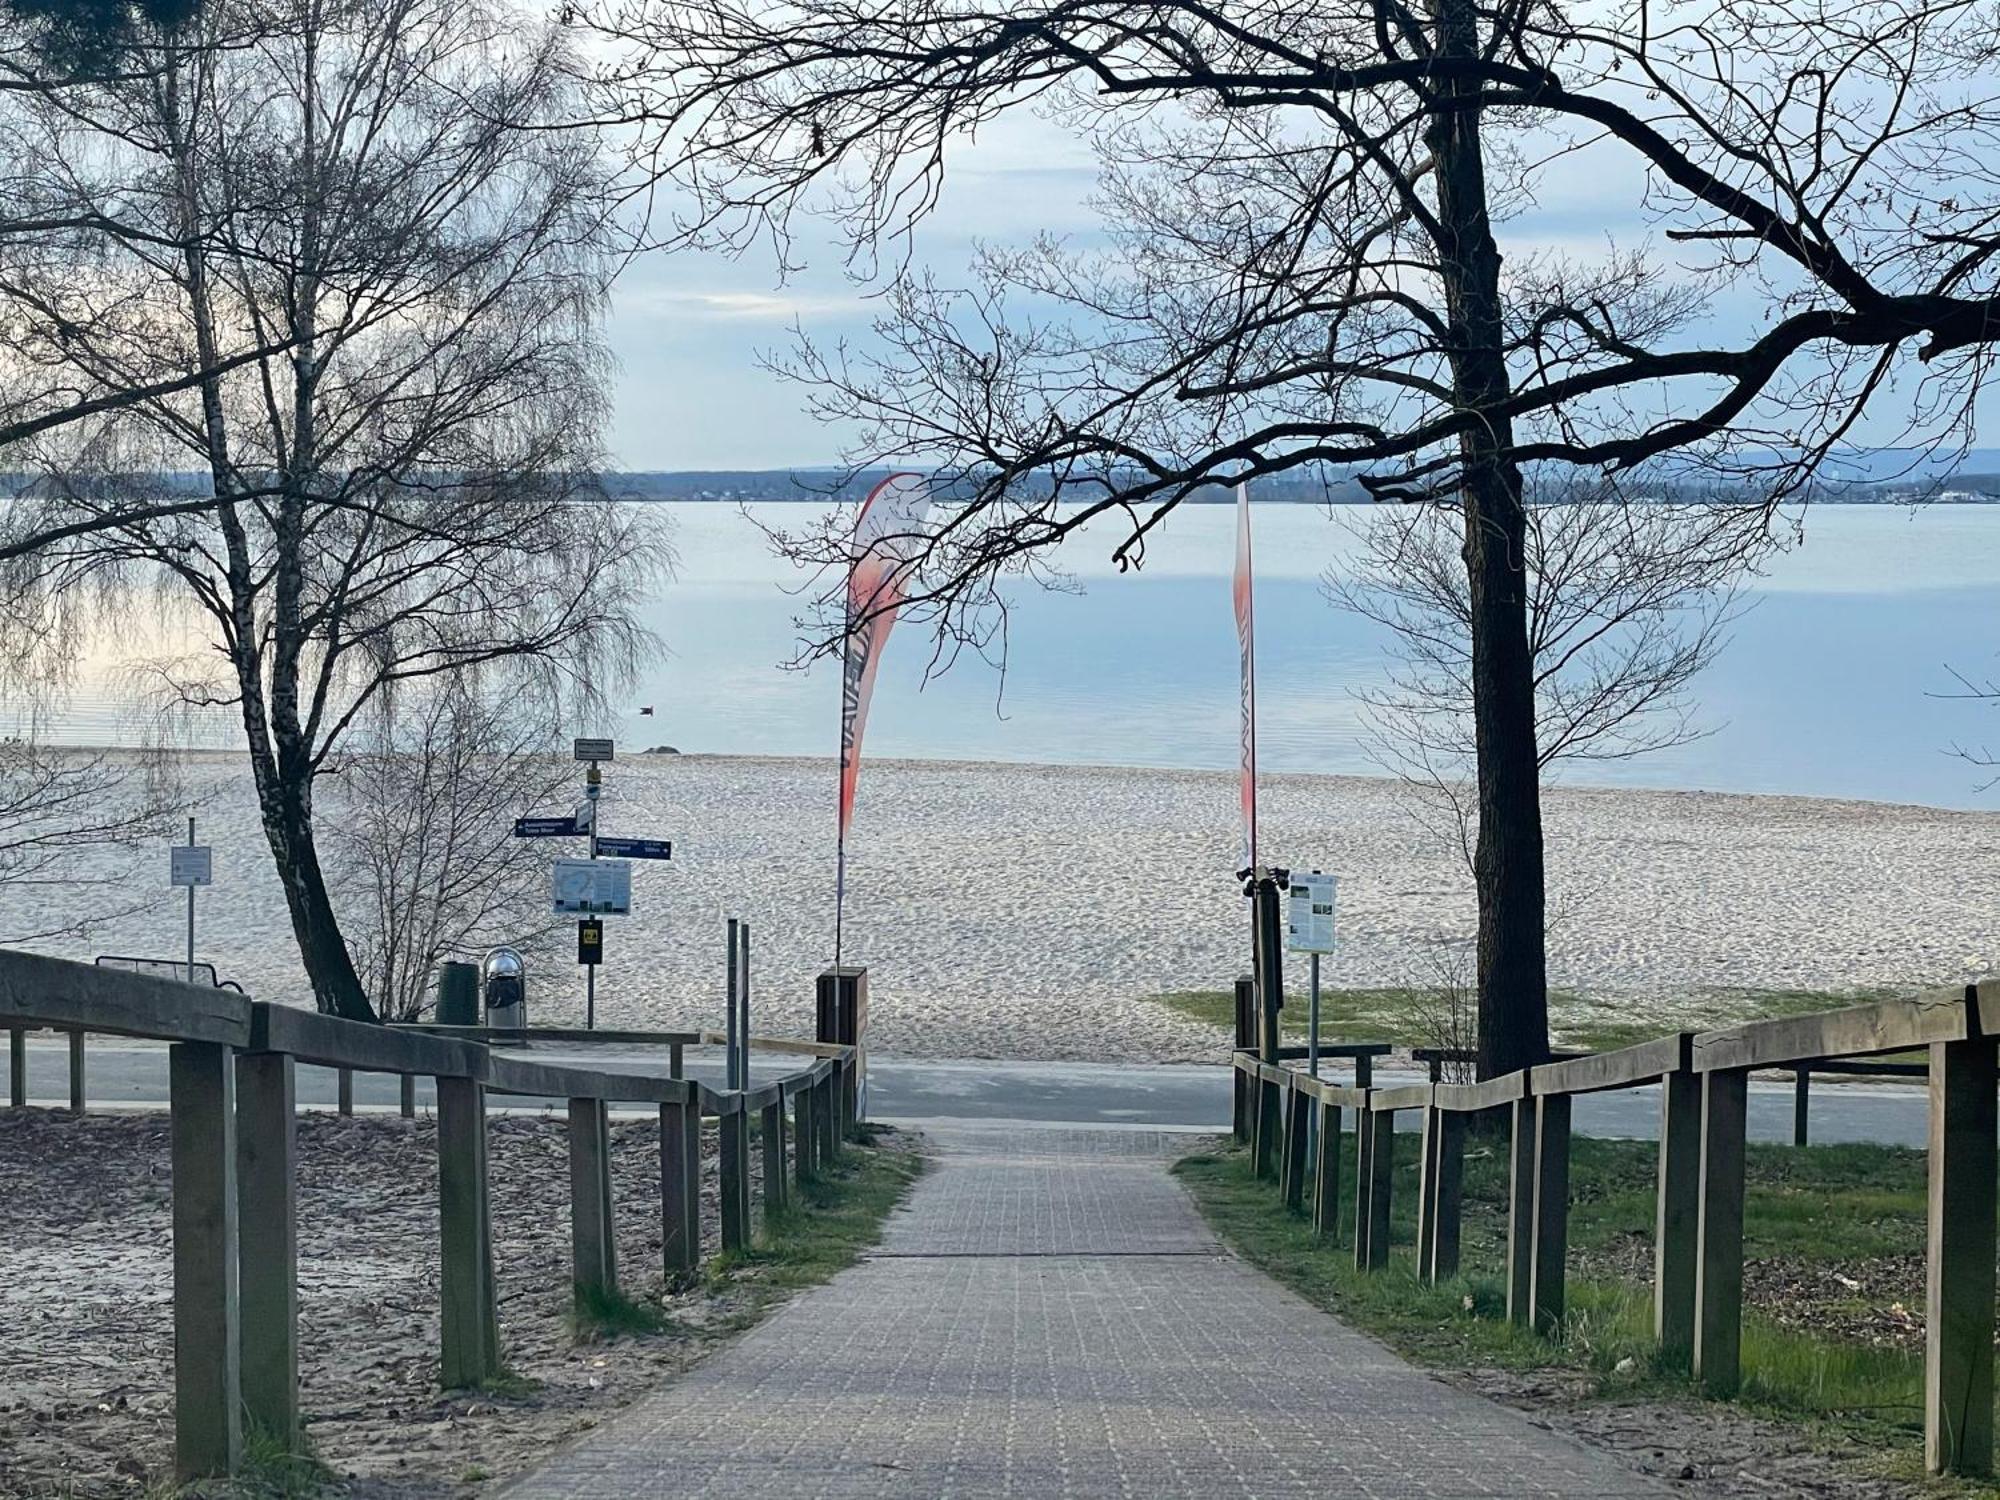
605	1312
1812	1216
824	1227
1578	1022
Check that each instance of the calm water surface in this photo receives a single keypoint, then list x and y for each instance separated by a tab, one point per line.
1834	681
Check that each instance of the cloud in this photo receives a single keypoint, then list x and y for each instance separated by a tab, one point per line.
734	305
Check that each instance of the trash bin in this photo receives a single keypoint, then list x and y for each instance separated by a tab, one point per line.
505	977
458	994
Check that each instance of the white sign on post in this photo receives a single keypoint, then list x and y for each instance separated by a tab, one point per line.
189	864
593	750
1309	913
593	888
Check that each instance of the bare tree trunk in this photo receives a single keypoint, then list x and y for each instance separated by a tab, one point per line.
1507	862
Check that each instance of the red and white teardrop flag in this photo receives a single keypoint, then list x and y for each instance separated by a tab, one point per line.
887	541
1246	643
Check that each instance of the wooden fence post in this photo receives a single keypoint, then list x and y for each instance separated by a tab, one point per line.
1958	1269
76	1088
680	1187
829	1118
1364	1164
1426	1186
1444	1194
804	1138
1270	1128
1246	1041
1326	1185
1801	1105
465	1261
268	1242
1521	1213
344	1090
1552	1117
1718	1285
1381	1178
773	1127
406	1095
1292	1180
735	1166
208	1397
593	1241
17	1067
1677	1217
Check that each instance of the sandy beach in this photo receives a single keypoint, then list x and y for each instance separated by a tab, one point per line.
1014	911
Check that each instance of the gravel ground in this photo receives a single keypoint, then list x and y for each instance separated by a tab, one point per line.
86	1405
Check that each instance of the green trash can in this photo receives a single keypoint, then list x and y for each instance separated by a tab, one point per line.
458	994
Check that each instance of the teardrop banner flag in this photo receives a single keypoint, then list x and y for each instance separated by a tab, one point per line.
887	542
1246	645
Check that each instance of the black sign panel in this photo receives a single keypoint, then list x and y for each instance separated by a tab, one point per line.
635	848
545	828
590	942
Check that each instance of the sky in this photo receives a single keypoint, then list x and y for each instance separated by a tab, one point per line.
689	330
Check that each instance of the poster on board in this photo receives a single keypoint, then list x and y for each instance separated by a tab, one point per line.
1309	913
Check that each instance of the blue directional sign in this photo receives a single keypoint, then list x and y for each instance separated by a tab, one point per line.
545	828
635	848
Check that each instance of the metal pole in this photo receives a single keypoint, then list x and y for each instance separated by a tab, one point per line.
743	996
590	789
1312	1044
190	972
730	987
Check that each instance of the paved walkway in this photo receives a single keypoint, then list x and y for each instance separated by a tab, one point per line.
1050	1317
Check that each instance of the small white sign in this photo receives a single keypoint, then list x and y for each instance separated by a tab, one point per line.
592	888
586	816
1309	913
593	750
189	864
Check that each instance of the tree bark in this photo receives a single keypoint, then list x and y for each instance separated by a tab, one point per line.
1507	860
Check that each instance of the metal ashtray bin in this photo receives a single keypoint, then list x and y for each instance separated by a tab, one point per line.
503	975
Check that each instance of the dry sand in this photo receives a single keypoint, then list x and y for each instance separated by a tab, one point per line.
1015	911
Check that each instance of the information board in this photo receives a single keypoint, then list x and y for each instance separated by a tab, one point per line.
592	888
1309	913
189	864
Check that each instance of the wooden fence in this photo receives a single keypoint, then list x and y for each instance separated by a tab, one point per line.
231	1087
1698	1237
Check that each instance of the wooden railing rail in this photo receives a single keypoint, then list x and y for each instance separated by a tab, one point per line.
1703	1077
232	1093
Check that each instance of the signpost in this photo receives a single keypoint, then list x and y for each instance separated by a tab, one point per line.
190	864
1309	920
636	848
547	828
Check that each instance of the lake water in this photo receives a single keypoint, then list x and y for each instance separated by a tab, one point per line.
1834	681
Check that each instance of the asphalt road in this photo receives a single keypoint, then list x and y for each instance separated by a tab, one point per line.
1179	1096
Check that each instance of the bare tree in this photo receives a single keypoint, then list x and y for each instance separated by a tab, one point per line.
409	493
421	837
73	825
1304	269
1627	603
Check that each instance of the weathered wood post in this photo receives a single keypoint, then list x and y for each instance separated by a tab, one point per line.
1718	1286
1444	1194
1292	1180
406	1096
76	1086
593	1241
1246	1041
1958	1270
1326	1176
735	1167
1364	1167
824	1153
208	1396
17	1067
465	1226
267	1196
1371	1248
773	1143
1801	1105
1270	1127
1427	1185
1551	1249
1521	1212
344	1091
680	1187
805	1138
1677	1218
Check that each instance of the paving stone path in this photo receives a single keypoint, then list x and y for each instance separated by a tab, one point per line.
1049	1316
